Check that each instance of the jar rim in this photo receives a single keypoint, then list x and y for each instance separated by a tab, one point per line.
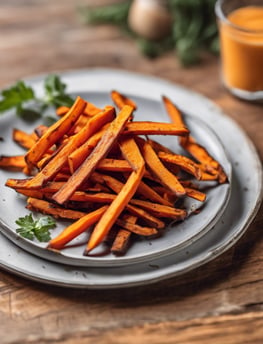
220	15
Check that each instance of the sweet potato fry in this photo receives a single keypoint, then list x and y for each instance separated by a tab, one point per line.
154	128
145	216
158	169
200	154
128	146
54	133
40	130
38	194
76	228
62	110
192	147
159	147
113	183
61	177
100	151
196	194
90	110
18	183
101	197
222	177
166	194
150	194
120	100
122	239
59	160
173	112
183	162
76	158
48	208
114	165
209	177
134	228
12	163
176	117
24	139
160	210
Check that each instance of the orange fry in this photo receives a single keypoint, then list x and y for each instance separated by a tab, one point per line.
122	239
120	100
115	165
55	132
51	209
183	162
192	147
144	231
76	228
76	158
154	128
24	139
158	169
196	194
12	163
146	216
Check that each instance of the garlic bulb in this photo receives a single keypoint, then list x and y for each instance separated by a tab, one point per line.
150	19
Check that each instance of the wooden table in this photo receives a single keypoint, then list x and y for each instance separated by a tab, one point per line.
221	302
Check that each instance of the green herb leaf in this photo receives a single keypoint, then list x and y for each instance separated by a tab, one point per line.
55	92
22	98
28	114
30	228
16	96
26	228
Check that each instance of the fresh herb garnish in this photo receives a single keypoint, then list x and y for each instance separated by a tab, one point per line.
16	96
27	105
30	228
55	92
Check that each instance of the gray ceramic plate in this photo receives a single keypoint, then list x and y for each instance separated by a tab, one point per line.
176	236
244	201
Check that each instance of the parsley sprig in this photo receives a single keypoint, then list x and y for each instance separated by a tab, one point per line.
30	228
27	105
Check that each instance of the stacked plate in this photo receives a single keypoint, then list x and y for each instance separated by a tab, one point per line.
228	210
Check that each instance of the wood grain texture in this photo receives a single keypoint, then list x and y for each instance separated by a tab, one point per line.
220	302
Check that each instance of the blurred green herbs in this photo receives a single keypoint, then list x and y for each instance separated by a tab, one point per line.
194	28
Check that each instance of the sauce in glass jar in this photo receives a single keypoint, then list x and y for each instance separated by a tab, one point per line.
241	39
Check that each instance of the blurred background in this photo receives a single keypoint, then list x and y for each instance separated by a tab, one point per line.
44	35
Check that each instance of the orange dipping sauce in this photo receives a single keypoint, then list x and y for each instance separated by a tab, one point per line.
242	49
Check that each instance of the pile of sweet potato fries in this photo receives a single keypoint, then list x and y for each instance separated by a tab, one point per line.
98	168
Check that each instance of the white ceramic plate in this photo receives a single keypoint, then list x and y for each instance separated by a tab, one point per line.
176	236
244	202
